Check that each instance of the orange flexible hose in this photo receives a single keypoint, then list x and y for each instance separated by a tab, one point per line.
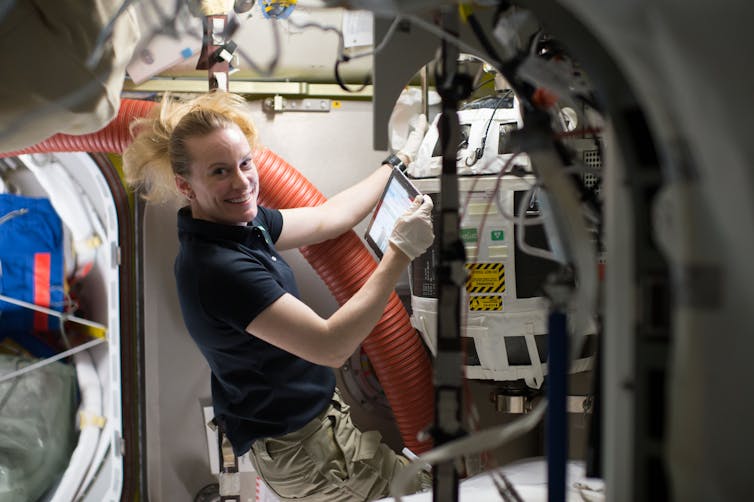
113	138
394	348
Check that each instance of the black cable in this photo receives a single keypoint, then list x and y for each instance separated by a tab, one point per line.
340	81
479	152
342	57
508	69
500	101
482	84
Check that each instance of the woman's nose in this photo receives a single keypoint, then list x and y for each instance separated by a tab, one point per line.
240	179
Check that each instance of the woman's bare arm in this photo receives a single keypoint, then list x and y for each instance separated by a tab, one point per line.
294	327
303	226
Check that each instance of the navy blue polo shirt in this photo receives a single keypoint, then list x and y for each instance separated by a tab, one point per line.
226	275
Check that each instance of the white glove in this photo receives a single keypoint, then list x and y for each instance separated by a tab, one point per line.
415	137
413	232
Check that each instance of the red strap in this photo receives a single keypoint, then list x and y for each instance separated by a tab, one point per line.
41	288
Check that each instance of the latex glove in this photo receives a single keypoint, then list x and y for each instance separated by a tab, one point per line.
413	232
415	137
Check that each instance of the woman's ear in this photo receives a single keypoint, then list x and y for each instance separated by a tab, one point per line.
183	186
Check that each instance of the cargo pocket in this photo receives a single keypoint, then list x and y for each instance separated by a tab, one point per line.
293	469
367	446
370	464
326	454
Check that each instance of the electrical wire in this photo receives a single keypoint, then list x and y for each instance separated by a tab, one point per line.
321	27
482	84
479	152
441	34
170	26
383	43
504	170
342	58
578	169
273	64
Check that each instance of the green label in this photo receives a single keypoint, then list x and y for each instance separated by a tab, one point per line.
497	235
469	235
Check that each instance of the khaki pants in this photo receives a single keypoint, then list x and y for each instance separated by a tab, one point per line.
329	460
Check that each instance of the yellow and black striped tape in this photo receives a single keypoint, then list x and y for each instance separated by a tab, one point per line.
485	278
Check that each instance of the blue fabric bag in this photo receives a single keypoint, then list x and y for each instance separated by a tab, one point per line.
31	269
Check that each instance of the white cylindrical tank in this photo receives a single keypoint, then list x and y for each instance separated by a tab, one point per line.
504	312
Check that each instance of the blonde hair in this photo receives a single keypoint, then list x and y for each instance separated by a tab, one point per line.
158	151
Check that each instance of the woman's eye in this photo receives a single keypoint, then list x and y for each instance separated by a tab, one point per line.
247	164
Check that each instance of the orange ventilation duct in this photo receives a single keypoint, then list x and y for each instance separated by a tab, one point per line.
113	138
394	348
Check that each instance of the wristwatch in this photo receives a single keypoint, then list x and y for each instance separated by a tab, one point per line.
395	161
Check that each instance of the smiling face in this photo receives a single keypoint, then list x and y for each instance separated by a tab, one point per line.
223	183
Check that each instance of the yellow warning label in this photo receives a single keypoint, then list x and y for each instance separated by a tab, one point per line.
485	303
485	278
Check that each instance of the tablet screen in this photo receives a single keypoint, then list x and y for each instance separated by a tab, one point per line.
395	200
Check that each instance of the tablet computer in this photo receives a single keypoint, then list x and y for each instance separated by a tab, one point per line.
395	200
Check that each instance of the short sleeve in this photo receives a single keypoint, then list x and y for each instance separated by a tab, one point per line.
272	219
237	293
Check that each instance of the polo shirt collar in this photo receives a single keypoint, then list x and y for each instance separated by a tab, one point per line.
237	233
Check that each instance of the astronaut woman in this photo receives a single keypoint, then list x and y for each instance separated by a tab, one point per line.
271	356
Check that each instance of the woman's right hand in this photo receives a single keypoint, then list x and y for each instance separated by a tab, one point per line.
413	232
